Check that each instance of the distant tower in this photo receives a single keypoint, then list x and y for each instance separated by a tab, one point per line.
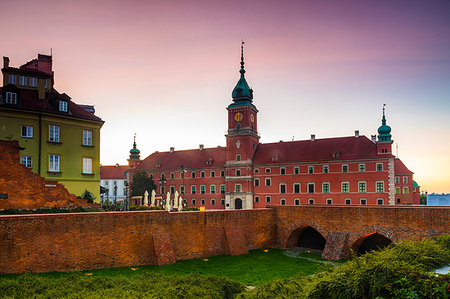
384	143
135	157
242	141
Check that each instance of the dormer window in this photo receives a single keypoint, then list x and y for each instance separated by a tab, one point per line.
11	98
63	106
33	82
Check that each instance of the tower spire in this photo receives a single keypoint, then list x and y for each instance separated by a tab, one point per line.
242	93
384	131
242	71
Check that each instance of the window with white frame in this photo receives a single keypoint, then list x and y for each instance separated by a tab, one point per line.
297	202
297	188
213	189
238	172
193	174
202	189
22	80
237	188
310	169
193	202
27	161
379	166
326	169
362	187
362	167
282	170
33	81
326	187
268	182
296	170
181	189
256	182
12	79
380	187
27	131
405	190
329	201
87	165
311	201
11	98
63	106
53	163
348	201
172	189
202	174
345	187
87	137
283	188
310	187
53	133
213	202
193	189
267	199
267	170
344	168
256	198
283	201
405	179
213	173
238	157
379	201
397	190
363	201
222	189
397	180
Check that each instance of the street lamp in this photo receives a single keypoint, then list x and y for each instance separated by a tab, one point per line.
115	196
184	186
126	196
162	183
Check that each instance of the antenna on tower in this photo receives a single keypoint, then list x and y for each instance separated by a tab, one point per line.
51	52
396	147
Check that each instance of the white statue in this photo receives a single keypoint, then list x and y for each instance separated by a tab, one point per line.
146	198
180	204
153	198
168	202
175	201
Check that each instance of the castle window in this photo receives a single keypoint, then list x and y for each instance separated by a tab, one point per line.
222	202
238	172
311	201
268	182
238	157
182	189
362	167
202	189
326	187
33	82
53	133
172	189
213	189
256	198
405	190
329	201
172	175
203	201
193	189
397	190
213	173
397	180
363	201
63	106
310	187
53	163
27	161
405	179
193	174
193	202
380	201
310	169
296	188
256	182
202	174
11	98
222	173
325	169
12	79
283	188
296	170
283	201
267	199
362	187
267	170
27	131
222	189
345	187
213	202
379	166
297	202
344	168
283	170
87	165
348	201
22	81
256	170
237	188
87	137
380	187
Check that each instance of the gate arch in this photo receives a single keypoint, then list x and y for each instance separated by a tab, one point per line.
369	242
307	236
238	204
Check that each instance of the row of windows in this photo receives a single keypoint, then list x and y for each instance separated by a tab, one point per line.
11	98
404	189
345	186
325	169
54	162
54	133
203	202
405	180
212	174
32	81
329	201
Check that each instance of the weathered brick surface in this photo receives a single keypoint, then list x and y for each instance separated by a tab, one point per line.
26	189
236	243
61	242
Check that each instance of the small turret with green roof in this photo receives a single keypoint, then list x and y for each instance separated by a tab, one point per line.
134	152
242	93
384	131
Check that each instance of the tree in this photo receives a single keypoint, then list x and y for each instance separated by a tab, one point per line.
141	183
423	199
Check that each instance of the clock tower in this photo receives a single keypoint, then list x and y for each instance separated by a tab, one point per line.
242	141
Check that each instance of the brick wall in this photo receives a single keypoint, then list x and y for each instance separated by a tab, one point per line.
59	242
28	190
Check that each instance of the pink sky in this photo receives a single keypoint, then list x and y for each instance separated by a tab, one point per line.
165	69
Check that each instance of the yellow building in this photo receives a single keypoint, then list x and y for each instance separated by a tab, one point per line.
59	139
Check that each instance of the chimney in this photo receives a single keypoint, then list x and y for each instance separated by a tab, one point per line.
172	149
374	138
356	133
5	61
117	165
201	147
313	137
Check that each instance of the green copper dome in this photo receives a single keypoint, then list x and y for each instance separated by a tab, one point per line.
134	152
384	131
242	93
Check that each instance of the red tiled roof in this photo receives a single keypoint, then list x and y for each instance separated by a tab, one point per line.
30	101
341	148
188	158
400	168
111	172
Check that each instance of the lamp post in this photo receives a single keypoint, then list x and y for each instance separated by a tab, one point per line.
184	186
126	196
162	183
115	196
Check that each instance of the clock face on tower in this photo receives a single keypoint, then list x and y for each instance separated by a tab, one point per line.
238	116
252	118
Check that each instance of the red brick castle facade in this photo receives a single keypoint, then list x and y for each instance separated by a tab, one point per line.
247	174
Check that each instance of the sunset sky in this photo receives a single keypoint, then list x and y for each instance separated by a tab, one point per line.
165	70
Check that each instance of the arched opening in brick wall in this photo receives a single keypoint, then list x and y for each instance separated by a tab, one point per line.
306	237
238	204
369	242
